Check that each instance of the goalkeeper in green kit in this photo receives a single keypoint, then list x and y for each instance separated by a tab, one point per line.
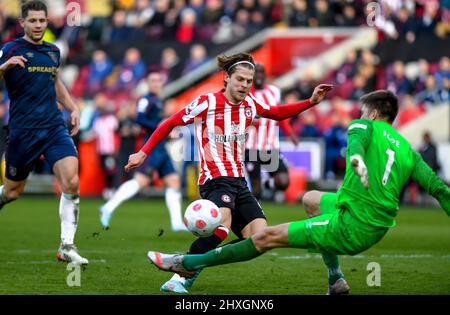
379	163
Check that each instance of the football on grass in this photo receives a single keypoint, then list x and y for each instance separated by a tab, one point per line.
202	217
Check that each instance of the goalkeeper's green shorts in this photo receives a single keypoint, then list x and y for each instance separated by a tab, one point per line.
335	231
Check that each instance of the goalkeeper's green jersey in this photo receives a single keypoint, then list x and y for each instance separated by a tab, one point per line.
390	162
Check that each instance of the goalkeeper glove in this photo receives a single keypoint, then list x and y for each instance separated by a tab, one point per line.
360	169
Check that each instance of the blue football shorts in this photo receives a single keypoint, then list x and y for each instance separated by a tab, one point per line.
158	160
24	147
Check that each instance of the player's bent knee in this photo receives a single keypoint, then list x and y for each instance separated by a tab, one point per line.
265	239
12	194
142	180
308	197
259	240
311	203
70	185
173	181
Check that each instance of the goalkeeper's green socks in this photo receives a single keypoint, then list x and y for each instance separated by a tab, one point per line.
241	251
334	270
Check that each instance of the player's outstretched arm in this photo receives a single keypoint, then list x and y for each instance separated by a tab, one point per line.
360	169
359	134
63	97
162	132
319	93
433	185
290	110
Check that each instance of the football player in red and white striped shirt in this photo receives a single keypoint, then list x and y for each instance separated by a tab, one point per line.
221	120
262	147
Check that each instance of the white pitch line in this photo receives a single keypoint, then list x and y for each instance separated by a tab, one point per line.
50	251
408	256
91	251
384	256
309	256
46	262
306	257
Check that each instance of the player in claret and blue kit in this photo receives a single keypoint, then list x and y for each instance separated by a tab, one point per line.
150	113
29	67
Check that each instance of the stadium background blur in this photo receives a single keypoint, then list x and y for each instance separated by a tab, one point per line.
108	48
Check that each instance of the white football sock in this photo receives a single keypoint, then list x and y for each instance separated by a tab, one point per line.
126	191
69	208
3	199
173	202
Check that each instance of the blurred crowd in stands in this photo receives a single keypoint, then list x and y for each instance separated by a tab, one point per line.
218	21
108	90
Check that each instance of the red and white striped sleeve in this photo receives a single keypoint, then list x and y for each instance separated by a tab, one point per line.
280	112
186	116
195	109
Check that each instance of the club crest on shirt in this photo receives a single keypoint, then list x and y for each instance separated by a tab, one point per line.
53	56
193	105
29	54
12	171
226	198
248	112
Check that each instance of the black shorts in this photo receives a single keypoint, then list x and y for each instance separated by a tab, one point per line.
273	161
233	193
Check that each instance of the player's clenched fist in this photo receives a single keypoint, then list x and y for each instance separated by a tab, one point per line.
135	160
12	62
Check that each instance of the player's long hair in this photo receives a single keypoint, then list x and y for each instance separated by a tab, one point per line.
227	63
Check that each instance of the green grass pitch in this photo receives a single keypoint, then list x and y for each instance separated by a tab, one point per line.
414	257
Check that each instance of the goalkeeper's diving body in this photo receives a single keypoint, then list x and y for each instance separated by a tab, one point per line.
379	163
